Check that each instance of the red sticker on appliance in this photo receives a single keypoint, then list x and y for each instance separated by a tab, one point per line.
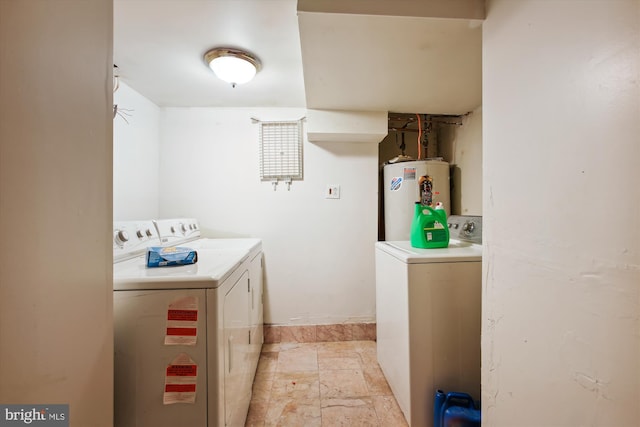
182	322
184	332
180	388
186	315
182	370
180	381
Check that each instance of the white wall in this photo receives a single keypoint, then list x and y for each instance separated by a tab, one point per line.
318	253
136	156
56	332
461	146
561	327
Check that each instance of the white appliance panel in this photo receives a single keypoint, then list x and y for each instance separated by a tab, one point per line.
141	358
392	325
444	298
256	309
131	238
177	231
237	375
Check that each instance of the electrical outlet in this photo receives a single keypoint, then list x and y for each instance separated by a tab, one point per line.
332	192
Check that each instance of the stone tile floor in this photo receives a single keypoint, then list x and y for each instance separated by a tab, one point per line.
322	384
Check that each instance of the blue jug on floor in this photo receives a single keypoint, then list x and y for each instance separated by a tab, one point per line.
455	409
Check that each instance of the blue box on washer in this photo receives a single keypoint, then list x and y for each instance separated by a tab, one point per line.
170	256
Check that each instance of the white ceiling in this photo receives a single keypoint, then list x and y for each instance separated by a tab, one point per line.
348	60
159	47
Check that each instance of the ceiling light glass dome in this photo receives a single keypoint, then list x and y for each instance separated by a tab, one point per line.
231	65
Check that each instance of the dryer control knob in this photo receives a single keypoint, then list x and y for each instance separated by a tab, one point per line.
149	233
183	228
173	229
121	237
469	227
139	234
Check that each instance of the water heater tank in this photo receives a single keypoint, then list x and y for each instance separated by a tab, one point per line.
401	191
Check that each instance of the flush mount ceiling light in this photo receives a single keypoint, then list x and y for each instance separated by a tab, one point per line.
232	65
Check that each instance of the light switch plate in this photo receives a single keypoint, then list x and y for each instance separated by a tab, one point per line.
332	191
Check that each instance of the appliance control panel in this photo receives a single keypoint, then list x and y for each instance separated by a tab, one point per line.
177	230
465	227
131	238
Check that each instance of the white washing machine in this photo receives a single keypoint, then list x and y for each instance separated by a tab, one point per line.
428	313
187	338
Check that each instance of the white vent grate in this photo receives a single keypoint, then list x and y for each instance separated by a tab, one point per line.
281	151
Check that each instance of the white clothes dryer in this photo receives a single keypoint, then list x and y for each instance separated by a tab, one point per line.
204	319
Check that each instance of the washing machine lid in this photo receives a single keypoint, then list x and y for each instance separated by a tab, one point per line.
217	260
458	251
212	268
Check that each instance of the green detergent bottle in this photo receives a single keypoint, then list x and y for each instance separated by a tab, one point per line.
429	227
